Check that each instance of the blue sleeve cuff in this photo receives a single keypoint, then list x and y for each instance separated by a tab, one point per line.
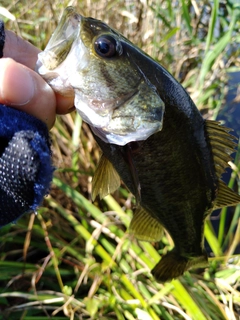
25	163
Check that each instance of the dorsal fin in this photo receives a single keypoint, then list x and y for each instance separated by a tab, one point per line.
144	227
106	179
222	145
226	197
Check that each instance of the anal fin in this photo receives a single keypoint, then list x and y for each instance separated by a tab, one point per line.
106	179
173	265
144	227
226	197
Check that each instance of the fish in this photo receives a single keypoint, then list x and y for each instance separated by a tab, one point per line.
153	137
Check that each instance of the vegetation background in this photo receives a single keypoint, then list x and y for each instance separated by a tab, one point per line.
74	259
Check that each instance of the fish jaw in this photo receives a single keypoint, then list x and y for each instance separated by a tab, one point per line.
110	94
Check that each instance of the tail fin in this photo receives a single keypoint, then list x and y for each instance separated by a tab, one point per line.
173	265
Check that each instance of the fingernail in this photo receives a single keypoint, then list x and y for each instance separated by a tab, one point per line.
16	83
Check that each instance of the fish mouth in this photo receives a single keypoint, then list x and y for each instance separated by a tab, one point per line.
53	63
61	41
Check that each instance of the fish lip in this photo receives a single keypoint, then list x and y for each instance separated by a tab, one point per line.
69	26
50	61
61	41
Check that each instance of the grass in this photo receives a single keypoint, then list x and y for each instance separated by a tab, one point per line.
74	259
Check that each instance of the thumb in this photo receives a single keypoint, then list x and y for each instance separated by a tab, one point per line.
24	89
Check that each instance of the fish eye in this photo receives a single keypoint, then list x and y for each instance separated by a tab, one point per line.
105	46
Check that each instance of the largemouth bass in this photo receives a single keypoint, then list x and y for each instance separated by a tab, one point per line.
152	136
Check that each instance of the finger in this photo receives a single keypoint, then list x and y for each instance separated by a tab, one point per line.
20	50
24	89
64	104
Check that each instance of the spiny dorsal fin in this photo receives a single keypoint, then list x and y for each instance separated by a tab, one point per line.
226	197
222	144
144	227
106	179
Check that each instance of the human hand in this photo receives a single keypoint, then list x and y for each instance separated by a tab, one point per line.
22	88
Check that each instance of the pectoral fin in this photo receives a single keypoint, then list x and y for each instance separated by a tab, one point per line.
226	197
106	179
144	227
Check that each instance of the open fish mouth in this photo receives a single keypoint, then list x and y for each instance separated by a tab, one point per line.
110	90
61	41
52	63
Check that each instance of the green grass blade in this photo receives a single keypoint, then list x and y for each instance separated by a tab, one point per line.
213	19
186	15
186	301
213	54
212	239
